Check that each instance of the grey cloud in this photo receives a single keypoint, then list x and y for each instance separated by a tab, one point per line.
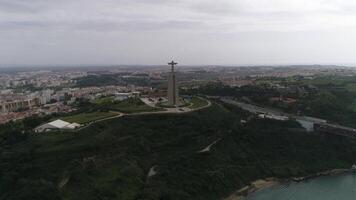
150	31
138	25
8	6
15	25
101	26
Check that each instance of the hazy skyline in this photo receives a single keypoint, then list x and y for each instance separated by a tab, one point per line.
199	32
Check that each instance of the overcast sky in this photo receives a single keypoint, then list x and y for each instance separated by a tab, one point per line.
193	32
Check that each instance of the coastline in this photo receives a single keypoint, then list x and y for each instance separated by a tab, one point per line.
260	184
253	187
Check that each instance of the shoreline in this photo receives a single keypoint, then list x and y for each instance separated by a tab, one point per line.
253	187
261	184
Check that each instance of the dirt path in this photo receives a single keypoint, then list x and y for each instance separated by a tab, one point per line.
207	149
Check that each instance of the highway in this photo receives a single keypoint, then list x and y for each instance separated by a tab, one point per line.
306	121
254	109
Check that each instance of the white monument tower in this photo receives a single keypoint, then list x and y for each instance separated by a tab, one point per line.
172	86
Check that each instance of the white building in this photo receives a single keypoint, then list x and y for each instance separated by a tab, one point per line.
46	96
4	92
56	125
15	105
122	96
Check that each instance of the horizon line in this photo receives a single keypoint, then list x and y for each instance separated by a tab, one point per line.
161	65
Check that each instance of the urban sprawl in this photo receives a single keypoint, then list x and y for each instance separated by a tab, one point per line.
25	92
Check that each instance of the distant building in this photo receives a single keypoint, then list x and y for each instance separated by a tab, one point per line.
172	86
46	96
122	96
56	125
15	105
4	92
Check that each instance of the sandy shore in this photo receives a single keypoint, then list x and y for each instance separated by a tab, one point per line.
253	187
268	182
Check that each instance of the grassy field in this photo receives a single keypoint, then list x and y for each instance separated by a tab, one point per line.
84	118
131	105
164	105
198	102
105	100
127	108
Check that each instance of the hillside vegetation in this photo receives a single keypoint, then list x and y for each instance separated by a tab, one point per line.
332	98
112	159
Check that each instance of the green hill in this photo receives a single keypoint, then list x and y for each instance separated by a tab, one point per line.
112	159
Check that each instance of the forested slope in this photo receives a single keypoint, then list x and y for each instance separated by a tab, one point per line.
112	159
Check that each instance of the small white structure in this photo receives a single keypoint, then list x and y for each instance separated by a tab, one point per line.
275	117
308	125
122	96
55	125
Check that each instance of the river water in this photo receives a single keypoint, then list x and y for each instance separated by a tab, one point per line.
340	187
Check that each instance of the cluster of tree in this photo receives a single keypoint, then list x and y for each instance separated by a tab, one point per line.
333	99
257	93
330	101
